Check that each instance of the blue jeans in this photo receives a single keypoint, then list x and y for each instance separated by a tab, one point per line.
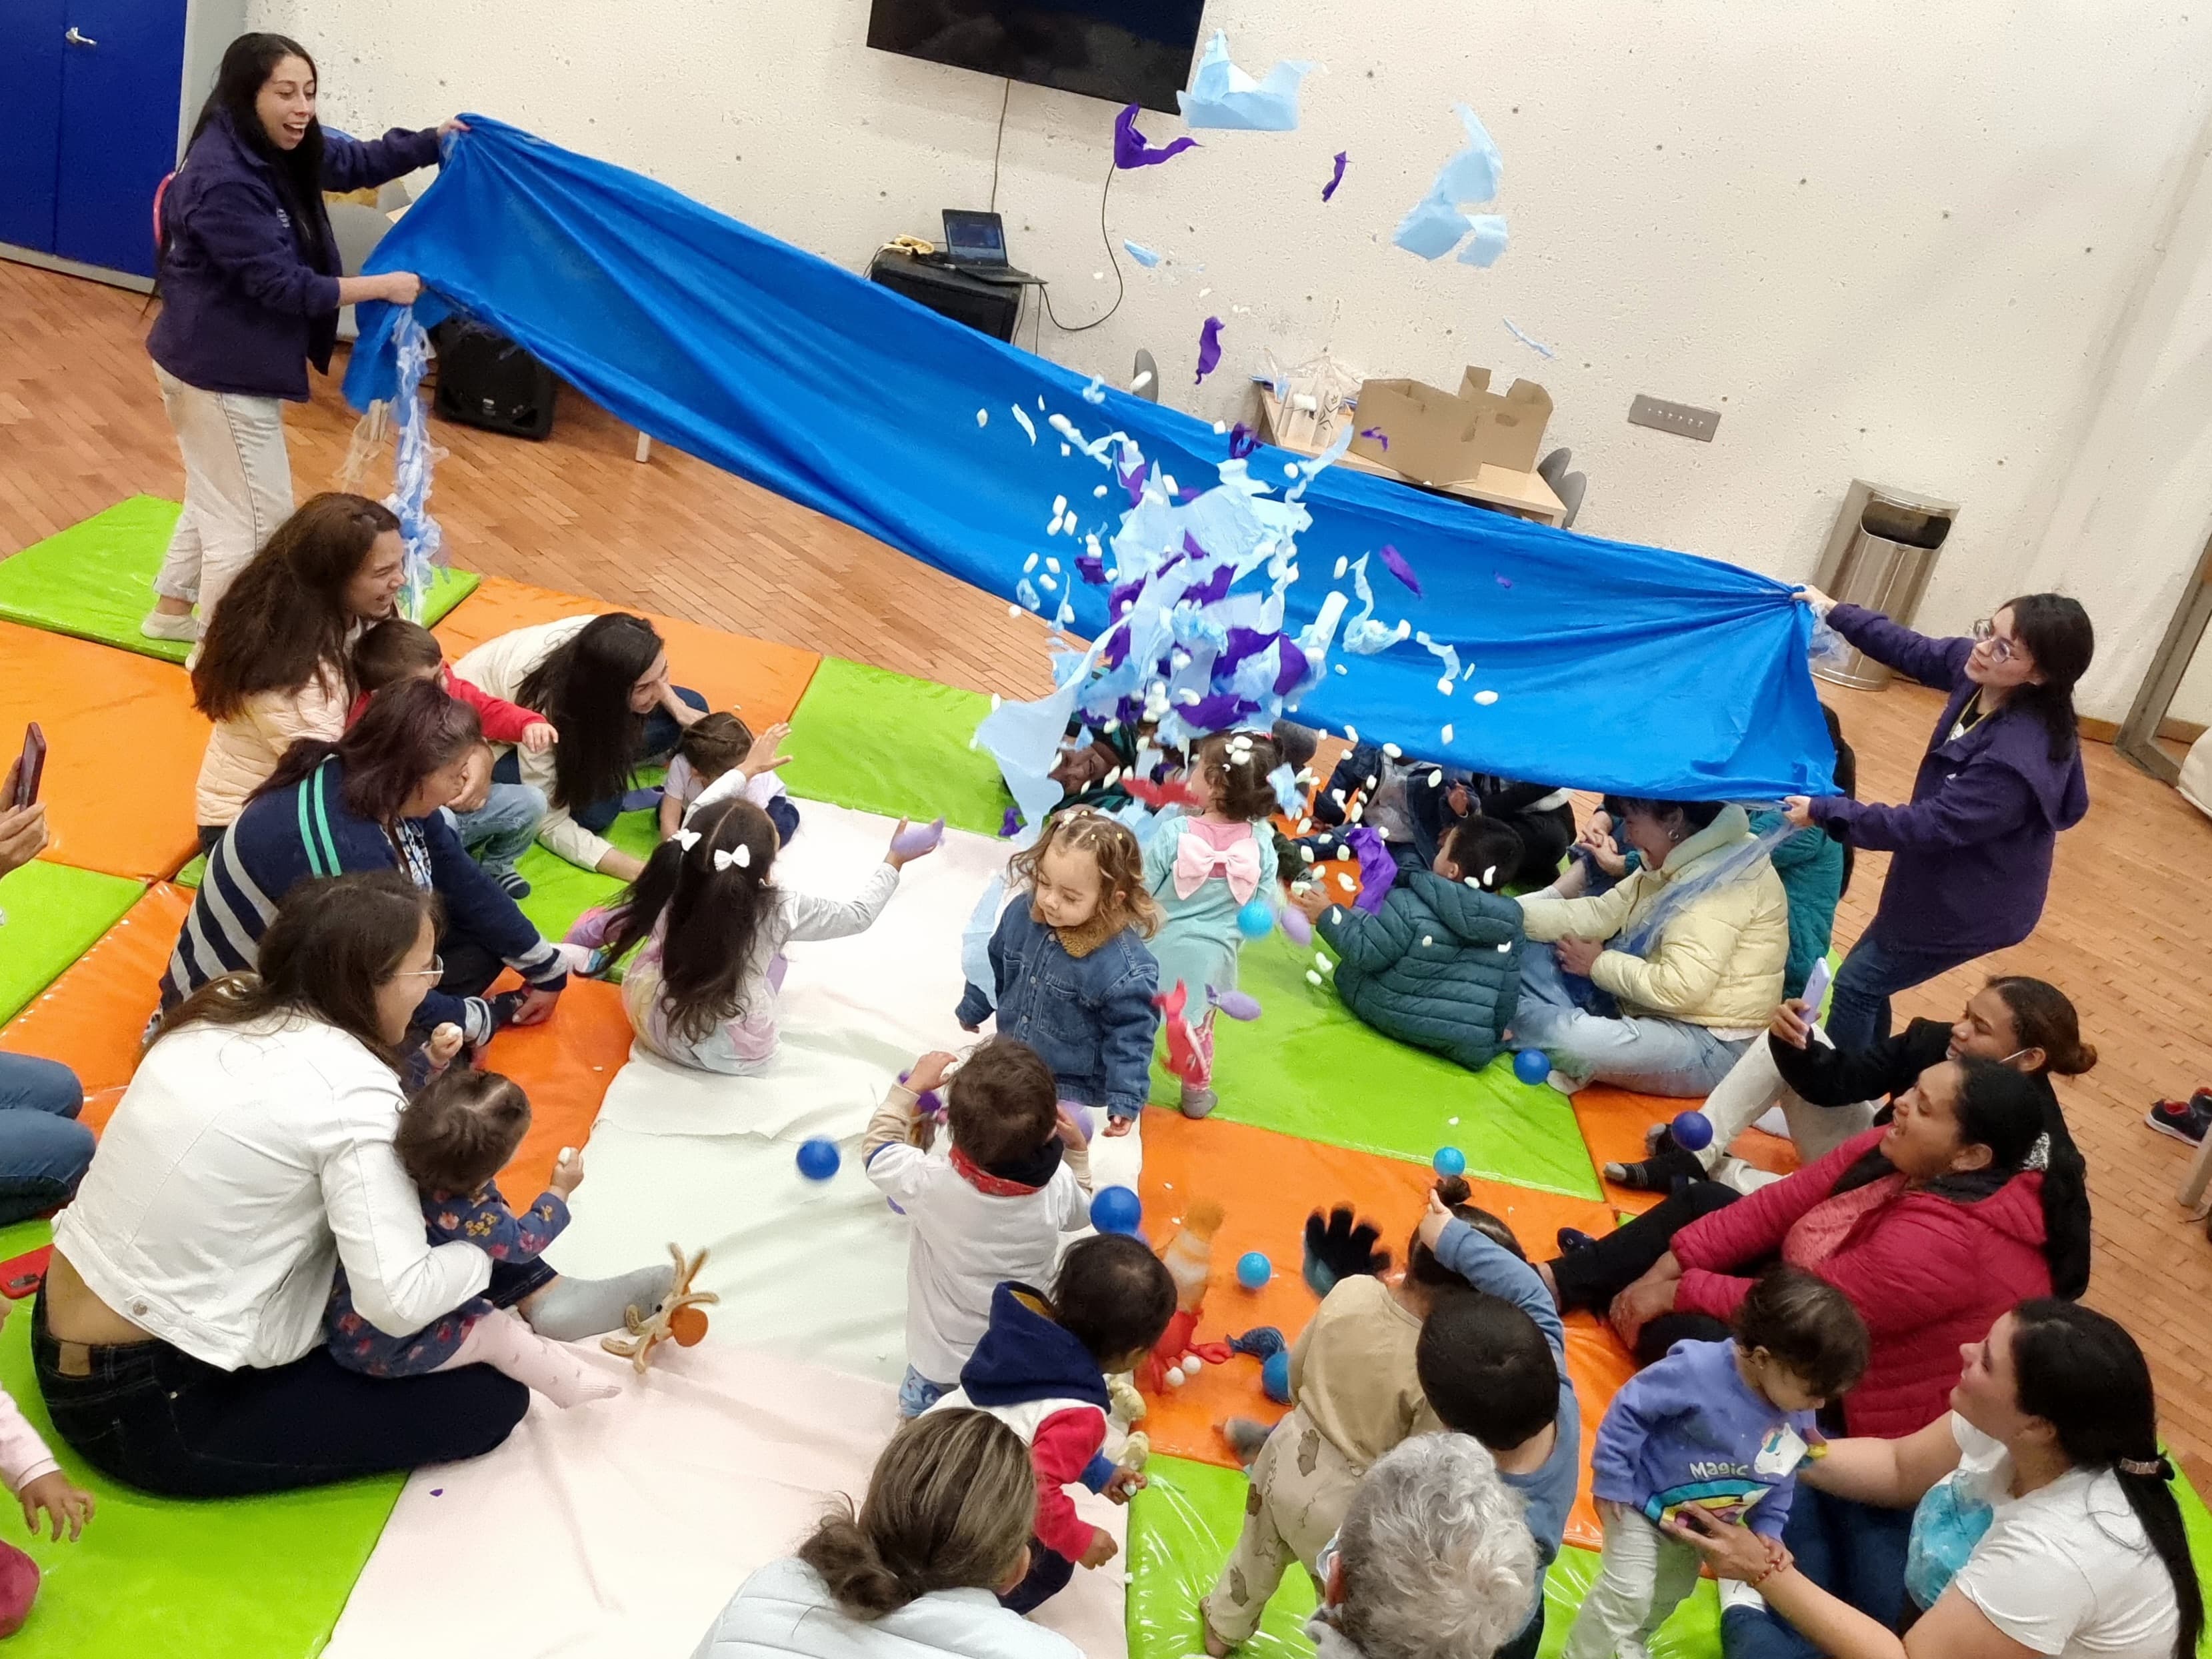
1655	1056
43	1150
500	831
917	1394
1858	1012
1853	1550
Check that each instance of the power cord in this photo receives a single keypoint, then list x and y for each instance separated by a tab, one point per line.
1121	287
999	149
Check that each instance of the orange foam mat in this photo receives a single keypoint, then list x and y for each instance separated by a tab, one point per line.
1612	1122
1269	1183
123	749
92	1017
730	671
564	1066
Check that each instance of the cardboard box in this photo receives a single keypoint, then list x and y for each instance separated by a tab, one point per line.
1439	437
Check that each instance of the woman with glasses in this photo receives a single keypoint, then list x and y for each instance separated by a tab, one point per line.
2000	778
370	801
177	1339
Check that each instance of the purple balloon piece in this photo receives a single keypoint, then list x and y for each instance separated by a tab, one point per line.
1091	567
1131	149
1243	440
1212	590
1337	178
1394	563
916	839
1209	348
1297	927
1237	1004
1501	581
1378	435
1134	482
1219	712
1010	826
1377	869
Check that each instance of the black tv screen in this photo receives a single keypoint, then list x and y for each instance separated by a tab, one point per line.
1126	52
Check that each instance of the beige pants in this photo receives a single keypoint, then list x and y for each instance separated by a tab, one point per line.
1642	1576
1301	1486
238	488
1743	1098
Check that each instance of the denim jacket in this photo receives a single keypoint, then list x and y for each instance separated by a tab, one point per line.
1089	1017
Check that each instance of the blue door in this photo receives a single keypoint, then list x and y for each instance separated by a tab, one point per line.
122	63
30	127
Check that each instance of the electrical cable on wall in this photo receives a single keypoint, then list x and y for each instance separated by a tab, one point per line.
999	149
1120	288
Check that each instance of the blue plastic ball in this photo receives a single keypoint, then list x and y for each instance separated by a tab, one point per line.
1532	1065
1275	1377
1256	919
1116	1209
1449	1161
818	1159
1693	1131
1254	1270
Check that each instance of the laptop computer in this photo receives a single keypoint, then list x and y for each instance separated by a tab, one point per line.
976	244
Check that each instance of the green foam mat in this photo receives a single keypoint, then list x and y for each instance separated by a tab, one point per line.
1694	1631
1307	1067
193	874
2196	1521
56	913
879	742
95	579
560	891
1182	1527
228	1578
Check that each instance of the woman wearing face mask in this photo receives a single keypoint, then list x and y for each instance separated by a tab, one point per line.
1829	1096
2002	777
2043	1518
251	289
1661	982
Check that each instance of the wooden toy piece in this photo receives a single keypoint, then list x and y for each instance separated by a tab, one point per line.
679	1318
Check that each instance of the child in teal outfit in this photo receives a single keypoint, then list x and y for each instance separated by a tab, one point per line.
1203	871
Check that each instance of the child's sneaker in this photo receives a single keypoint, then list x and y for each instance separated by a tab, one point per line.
2183	1120
161	625
1197	1102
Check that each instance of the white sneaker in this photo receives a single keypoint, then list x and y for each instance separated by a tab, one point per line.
1566	1085
1734	1593
161	625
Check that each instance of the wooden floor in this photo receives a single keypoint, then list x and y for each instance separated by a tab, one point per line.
2127	933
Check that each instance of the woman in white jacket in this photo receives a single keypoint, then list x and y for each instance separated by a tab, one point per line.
177	1339
916	1573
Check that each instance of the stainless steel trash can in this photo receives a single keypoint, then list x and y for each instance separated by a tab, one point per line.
1879	556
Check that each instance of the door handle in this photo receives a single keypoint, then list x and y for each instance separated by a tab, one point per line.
77	40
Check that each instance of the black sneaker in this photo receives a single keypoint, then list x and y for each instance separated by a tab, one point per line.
2183	1120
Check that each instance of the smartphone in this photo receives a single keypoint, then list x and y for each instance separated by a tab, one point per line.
1816	987
31	768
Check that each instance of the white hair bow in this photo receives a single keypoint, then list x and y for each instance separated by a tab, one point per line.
686	839
742	858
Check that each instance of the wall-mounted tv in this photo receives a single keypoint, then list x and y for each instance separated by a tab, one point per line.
1126	52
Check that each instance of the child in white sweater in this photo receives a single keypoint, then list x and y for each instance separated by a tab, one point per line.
1017	1177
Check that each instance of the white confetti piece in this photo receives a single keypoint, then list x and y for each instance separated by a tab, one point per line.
1437	779
1066	450
1312	978
1028	565
983	417
1338	666
1392	750
1452	1121
1220	427
1352	735
1428	940
1341	562
1023	421
1142	381
1345	881
1289	468
1307	853
1448	734
1485	698
1490	875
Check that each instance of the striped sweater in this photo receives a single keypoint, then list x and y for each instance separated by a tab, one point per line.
307	830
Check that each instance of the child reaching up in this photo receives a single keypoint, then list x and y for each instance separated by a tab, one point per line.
39	1484
1041	1369
1494	1366
454	1137
712	748
1203	871
1072	977
1717	1426
496	822
1356	1394
1438	966
704	990
1018	1178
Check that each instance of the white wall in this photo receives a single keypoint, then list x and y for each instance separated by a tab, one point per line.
1886	239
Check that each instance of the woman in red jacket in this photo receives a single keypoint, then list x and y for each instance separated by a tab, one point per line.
1933	1227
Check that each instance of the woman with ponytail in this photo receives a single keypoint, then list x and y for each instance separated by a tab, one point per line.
2045	1521
2000	778
917	1571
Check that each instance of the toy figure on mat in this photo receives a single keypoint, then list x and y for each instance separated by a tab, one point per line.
1070	975
704	989
1018	1178
1041	1369
679	1317
713	749
1719	1426
1203	869
1188	1258
454	1138
1356	1394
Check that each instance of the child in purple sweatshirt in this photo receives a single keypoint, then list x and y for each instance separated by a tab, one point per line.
1719	1426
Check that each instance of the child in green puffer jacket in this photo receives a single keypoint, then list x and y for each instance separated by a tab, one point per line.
1439	965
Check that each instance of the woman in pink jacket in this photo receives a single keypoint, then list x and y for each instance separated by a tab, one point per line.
1932	1225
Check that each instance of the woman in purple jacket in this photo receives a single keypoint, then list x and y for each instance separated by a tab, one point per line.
2002	777
250	292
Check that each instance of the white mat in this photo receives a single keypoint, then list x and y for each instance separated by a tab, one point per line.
622	1527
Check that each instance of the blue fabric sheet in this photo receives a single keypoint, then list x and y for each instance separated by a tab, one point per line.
1616	667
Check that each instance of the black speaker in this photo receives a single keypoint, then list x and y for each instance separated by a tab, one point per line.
991	308
485	380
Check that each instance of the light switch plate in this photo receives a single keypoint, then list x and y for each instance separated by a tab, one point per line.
1683	420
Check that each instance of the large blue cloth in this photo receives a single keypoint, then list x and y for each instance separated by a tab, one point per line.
1630	669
